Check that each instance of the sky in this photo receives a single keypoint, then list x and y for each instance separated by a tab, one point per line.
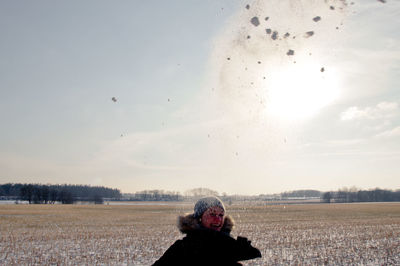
242	97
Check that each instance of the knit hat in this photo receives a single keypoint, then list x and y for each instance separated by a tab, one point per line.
204	203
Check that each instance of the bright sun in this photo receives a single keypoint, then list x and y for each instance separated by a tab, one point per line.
300	91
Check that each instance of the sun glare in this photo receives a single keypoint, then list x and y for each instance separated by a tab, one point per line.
301	91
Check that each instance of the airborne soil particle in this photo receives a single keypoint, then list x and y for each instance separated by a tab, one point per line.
274	35
309	34
290	52
317	18
255	21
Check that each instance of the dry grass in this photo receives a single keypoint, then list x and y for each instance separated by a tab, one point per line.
137	235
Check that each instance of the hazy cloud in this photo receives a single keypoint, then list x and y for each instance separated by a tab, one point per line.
395	132
381	110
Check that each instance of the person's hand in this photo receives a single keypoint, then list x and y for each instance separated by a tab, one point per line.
245	245
243	241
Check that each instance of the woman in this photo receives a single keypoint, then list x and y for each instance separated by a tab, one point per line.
208	240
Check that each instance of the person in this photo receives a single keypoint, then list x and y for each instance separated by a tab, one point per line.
208	240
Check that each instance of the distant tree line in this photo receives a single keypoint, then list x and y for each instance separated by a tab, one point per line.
352	195
343	195
68	194
200	192
161	195
49	194
308	193
153	195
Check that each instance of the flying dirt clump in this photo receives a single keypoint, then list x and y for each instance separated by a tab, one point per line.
255	21
114	99
317	18
274	35
290	52
308	34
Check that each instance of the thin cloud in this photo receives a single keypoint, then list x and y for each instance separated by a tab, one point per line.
381	110
395	132
332	144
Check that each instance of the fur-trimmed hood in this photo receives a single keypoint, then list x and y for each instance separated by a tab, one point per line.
187	223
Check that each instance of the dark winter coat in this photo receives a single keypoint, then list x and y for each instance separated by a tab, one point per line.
203	246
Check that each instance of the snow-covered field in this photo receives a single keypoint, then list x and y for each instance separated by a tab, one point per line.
310	234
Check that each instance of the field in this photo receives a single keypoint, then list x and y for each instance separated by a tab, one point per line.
309	234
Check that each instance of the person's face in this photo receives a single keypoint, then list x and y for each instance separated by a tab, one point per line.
213	218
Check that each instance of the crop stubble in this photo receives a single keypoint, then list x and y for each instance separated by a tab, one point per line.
139	234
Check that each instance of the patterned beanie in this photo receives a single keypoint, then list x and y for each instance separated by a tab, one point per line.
204	203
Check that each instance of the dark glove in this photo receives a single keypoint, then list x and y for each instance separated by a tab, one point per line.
243	241
246	249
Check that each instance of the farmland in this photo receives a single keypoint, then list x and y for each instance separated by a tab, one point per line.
330	234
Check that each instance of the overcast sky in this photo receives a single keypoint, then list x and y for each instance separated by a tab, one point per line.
243	97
